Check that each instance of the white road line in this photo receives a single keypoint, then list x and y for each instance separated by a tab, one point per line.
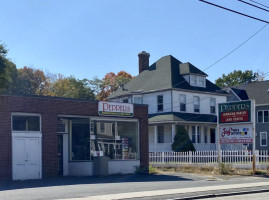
169	191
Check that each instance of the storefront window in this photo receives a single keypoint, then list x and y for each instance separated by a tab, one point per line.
80	140
115	139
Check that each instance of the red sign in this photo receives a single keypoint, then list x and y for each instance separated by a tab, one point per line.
235	112
238	116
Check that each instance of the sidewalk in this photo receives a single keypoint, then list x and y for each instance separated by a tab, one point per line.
171	191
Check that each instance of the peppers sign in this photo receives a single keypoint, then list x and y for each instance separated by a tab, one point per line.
115	109
235	112
236	133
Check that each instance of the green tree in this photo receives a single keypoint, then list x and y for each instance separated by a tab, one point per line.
237	77
71	87
8	72
182	141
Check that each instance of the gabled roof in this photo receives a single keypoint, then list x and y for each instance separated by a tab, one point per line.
166	73
256	90
242	94
188	68
182	117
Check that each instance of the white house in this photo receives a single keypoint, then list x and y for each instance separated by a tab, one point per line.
177	94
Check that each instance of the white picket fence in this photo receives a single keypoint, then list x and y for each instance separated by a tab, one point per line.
240	159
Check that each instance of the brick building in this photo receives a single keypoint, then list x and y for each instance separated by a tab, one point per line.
45	137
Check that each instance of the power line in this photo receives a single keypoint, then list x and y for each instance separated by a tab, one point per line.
253	5
236	47
259	4
235	11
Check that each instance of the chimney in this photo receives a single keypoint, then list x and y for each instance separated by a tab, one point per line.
143	61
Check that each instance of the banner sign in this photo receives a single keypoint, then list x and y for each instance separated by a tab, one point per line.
235	112
242	133
115	109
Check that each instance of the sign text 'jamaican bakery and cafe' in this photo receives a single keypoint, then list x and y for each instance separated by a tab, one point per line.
235	112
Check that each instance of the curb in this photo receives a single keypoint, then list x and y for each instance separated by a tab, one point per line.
222	194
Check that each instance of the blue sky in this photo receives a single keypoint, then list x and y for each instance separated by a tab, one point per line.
88	38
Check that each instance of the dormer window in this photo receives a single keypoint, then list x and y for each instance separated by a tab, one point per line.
197	81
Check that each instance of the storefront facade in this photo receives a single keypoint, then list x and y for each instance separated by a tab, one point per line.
46	137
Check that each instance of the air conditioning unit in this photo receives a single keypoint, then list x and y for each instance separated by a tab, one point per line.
62	126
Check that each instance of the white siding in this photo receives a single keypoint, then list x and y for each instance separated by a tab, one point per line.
151	100
204	101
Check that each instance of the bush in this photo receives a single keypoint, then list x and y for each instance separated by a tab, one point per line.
182	141
226	169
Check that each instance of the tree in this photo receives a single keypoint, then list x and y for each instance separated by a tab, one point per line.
71	87
182	141
8	72
111	82
237	78
31	81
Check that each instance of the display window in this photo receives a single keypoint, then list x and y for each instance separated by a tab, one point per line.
115	139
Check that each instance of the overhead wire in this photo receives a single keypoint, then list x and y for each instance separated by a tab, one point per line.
234	11
253	5
259	4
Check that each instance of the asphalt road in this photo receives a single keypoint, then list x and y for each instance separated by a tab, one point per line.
74	187
256	196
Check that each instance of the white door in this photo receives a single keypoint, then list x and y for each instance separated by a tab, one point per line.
26	158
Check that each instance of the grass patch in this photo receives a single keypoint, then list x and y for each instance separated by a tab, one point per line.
225	169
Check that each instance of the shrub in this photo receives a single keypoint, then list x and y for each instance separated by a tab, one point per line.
182	141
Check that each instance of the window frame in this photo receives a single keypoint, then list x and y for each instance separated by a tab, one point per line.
160	133
198	101
263	132
27	115
212	106
262	116
160	103
182	103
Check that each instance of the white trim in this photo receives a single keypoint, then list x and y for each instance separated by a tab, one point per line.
74	116
113	119
261	139
230	89
265	104
183	122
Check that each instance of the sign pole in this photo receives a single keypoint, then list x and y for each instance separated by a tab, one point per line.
254	137
218	146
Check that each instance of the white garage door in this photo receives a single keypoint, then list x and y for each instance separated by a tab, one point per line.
26	157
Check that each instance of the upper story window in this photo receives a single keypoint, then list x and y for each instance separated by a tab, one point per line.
198	81
160	103
182	102
212	105
125	100
263	116
196	104
138	100
26	123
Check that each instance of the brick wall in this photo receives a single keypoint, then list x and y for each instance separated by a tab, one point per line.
50	108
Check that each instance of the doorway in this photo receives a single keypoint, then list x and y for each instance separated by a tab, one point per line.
212	135
26	157
60	155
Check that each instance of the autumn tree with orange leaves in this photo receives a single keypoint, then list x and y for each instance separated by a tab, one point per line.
111	82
